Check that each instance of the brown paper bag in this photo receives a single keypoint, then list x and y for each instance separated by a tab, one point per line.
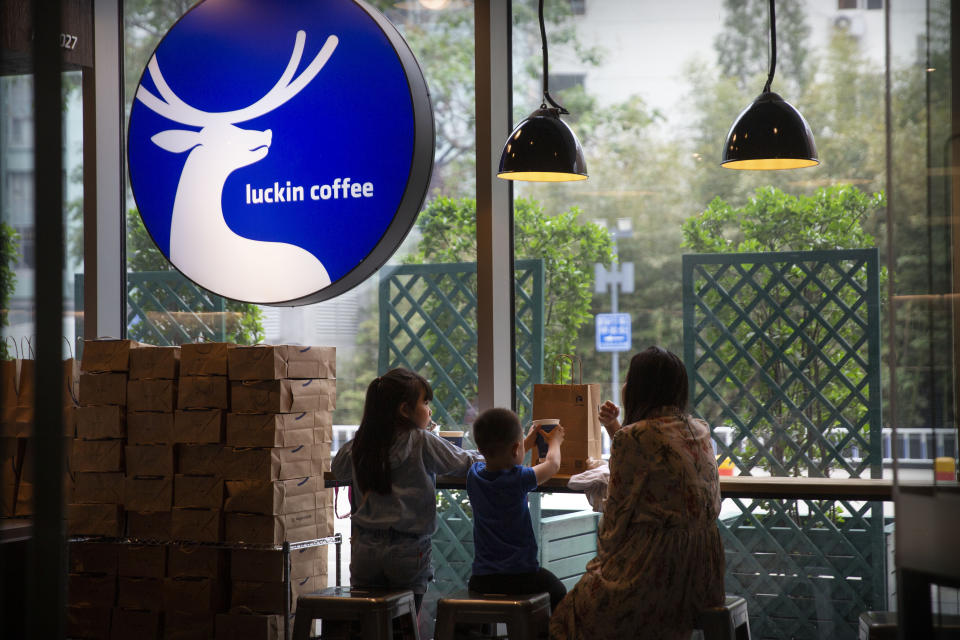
94	520
268	529
149	460
90	590
204	358
16	384
100	421
93	557
151	394
198	426
191	561
203	392
283	396
149	525
269	597
253	565
88	622
244	626
271	429
200	459
148	494
200	525
107	354
129	623
274	498
142	561
269	464
190	625
154	362
98	488
198	492
275	362
140	593
149	427
197	595
103	388
577	408
96	455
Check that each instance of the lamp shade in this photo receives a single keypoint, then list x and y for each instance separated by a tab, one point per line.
769	134
542	149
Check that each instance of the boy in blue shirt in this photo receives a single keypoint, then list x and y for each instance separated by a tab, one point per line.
505	559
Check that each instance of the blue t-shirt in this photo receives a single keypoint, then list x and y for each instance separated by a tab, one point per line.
503	536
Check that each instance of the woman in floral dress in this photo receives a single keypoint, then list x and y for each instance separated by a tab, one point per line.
659	559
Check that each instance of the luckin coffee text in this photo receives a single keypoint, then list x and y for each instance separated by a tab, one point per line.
339	189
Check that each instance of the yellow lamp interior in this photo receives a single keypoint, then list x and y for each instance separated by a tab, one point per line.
770	164
541	176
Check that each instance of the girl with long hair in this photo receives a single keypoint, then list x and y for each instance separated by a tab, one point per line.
392	464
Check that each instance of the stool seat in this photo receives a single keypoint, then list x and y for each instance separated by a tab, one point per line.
727	622
527	616
376	611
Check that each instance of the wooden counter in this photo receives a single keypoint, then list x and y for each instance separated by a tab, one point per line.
741	487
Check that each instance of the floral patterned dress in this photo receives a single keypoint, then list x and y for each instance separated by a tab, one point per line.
659	557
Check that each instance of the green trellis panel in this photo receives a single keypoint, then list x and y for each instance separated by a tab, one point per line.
428	324
165	308
783	351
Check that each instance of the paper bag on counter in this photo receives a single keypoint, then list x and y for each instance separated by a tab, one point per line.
275	362
577	408
203	392
204	358
283	396
154	362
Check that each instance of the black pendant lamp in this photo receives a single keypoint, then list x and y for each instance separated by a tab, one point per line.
543	148
770	133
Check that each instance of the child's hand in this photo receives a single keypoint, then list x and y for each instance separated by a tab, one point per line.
531	438
555	434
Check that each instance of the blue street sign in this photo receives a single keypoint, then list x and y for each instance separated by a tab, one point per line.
279	152
613	331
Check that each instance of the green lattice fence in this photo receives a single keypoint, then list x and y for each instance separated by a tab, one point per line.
783	350
428	323
165	308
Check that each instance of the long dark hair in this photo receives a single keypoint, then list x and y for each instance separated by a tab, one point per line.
380	423
656	378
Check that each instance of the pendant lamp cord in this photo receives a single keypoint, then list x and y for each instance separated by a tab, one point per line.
546	92
773	48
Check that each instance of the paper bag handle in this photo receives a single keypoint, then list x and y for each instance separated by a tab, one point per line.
558	367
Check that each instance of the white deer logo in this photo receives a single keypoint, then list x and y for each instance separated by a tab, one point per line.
202	246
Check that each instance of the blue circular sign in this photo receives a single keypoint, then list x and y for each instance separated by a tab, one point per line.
279	152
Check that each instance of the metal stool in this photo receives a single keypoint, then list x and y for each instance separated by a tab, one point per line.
375	612
727	622
527	617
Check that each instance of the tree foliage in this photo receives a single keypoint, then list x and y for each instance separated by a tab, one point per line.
9	254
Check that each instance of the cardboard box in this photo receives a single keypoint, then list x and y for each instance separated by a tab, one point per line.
268	464
154	362
283	396
97	422
196	595
263	529
198	525
267	566
204	358
92	557
151	395
275	362
108	354
149	459
271	429
187	625
192	561
94	520
149	427
149	525
200	459
91	589
277	497
139	625
103	388
98	488
241	626
142	561
268	597
96	455
198	426
200	492
203	392
89	622
148	494
140	593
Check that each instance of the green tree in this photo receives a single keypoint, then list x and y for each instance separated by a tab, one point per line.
832	218
10	253
243	322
